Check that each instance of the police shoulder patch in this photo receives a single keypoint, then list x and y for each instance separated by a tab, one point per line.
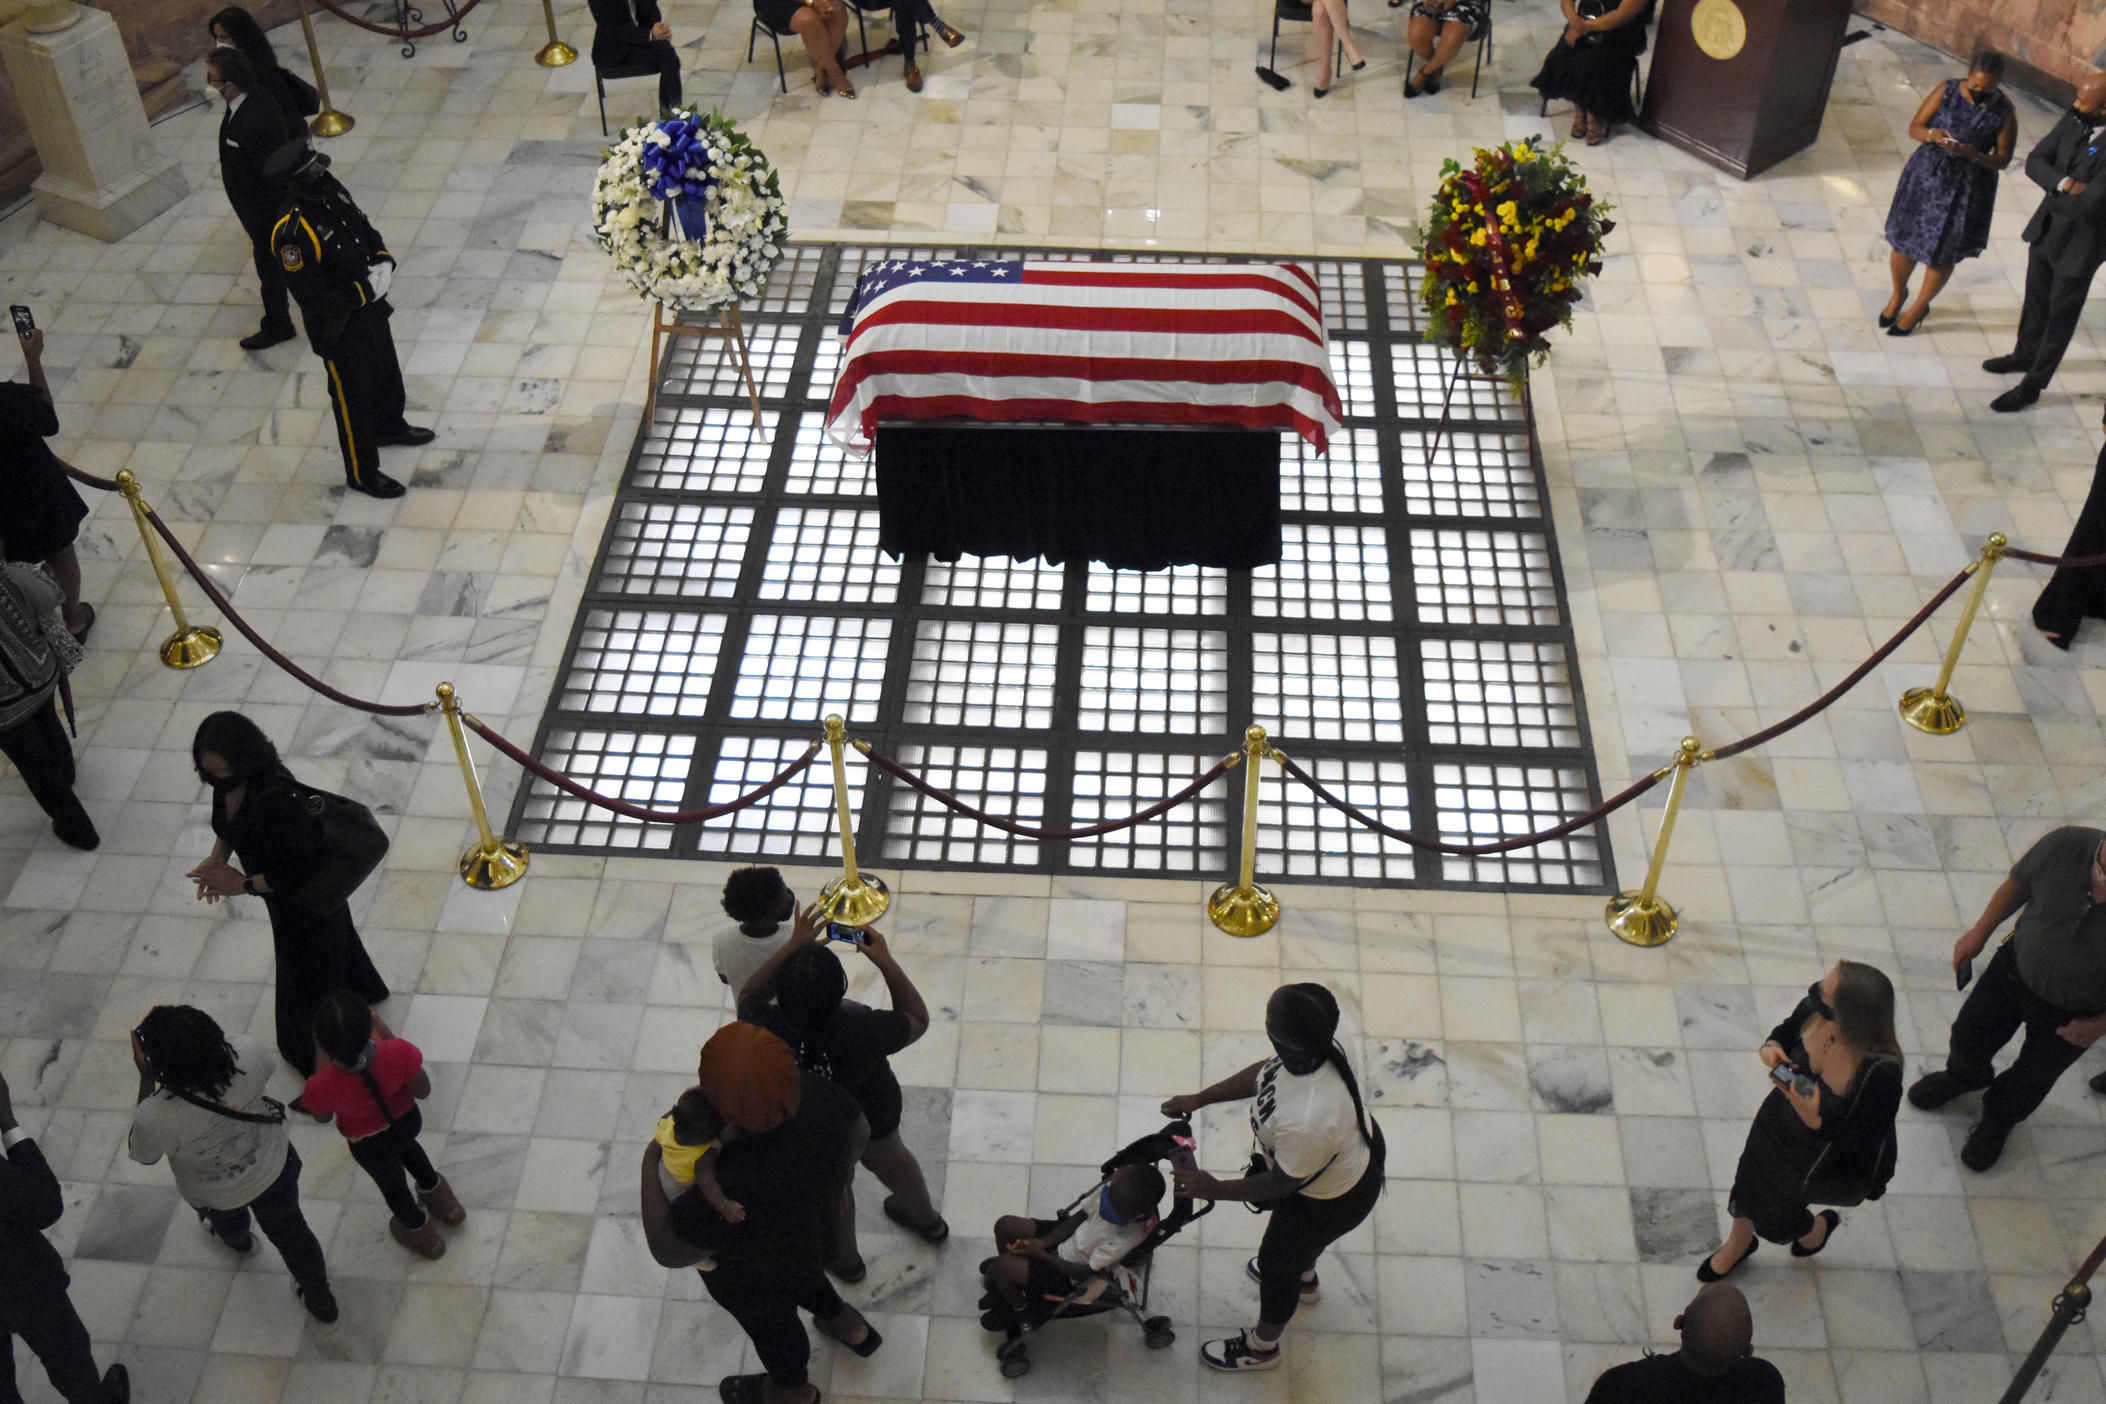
289	256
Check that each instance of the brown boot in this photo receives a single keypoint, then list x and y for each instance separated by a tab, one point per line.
439	1201
423	1240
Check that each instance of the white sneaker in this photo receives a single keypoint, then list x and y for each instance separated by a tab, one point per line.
1237	1353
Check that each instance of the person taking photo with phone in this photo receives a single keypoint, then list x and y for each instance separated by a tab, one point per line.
1825	1134
800	995
44	509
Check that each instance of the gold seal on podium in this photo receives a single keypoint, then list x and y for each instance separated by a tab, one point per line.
1719	28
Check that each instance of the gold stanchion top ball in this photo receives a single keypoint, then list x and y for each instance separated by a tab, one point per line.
127	482
1690	747
445	691
1254	736
836	729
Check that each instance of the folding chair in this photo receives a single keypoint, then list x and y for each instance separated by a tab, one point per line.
1297	12
760	27
1484	49
601	77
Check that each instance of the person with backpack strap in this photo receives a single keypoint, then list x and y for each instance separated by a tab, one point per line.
35	654
369	1082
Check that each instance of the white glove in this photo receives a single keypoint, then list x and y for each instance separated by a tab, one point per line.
381	276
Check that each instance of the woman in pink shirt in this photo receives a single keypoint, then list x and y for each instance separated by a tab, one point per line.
371	1081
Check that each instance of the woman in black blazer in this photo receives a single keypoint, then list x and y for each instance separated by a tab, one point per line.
1825	1134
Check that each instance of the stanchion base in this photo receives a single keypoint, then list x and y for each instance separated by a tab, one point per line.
855	902
556	54
191	648
500	865
1640	922
331	123
1926	711
1243	911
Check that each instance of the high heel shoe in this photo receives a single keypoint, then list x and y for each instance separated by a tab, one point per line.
1885	320
1360	65
1899	330
1321	92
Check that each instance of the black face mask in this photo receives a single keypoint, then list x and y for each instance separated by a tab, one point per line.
221	783
1300	1062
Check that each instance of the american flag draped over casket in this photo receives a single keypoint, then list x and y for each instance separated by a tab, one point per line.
1007	341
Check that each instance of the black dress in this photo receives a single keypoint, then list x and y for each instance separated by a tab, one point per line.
854	1050
1595	74
2072	596
317	948
44	510
1854	1142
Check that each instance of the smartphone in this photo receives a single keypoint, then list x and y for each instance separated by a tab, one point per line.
24	323
1963	975
1790	1078
846	935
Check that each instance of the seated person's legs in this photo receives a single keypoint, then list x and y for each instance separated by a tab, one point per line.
667	58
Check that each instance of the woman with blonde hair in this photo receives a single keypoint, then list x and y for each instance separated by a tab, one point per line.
1825	1134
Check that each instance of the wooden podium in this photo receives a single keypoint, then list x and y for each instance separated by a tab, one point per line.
1742	83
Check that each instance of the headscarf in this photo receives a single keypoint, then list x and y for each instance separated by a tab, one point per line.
750	1077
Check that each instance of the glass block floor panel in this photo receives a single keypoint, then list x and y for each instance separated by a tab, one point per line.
1410	648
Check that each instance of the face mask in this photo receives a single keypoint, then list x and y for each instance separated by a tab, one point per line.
221	783
1300	1062
1105	1210
1820	1002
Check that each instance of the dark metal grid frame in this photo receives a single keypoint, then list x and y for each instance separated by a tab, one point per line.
1459	714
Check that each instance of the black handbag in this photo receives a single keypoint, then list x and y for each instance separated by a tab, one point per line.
305	98
352	845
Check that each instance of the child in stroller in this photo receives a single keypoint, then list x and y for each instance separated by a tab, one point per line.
1095	1256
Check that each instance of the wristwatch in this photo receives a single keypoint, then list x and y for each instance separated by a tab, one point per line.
248	885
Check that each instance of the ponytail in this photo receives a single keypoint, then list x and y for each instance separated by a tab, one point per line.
343	1030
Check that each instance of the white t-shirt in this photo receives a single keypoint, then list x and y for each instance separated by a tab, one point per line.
220	1162
1098	1242
739	955
1306	1126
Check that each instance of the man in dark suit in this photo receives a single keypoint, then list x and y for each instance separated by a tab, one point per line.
626	32
251	130
2068	235
339	271
33	1281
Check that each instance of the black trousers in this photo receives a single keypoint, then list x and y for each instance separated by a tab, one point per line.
766	1310
393	1158
655	51
2048	318
277	1213
365	390
40	750
277	305
1298	1232
1996	1008
909	17
318	953
43	1316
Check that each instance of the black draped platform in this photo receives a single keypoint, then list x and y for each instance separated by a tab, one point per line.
1129	498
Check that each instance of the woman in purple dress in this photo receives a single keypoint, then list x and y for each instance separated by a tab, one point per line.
1947	190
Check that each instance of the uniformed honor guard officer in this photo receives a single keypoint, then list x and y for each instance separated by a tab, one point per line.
338	270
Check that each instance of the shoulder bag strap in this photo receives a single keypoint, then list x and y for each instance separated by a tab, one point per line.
272	1118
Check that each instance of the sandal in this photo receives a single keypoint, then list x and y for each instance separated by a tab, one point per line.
80	635
897	1212
866	1347
821	82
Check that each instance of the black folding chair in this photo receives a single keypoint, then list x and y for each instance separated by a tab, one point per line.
760	27
1297	12
1484	49
601	77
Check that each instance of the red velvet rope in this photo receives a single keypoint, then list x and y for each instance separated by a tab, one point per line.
425	33
950	801
1857	674
248	631
637	811
106	484
1464	850
2060	562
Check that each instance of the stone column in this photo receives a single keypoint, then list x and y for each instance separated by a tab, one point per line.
102	174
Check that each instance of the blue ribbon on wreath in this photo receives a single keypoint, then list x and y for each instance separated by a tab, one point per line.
681	173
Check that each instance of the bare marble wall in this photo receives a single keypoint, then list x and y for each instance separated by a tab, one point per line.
2063	39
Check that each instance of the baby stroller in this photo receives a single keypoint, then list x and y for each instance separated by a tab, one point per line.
1124	1285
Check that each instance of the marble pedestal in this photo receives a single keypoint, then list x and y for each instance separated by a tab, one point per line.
102	174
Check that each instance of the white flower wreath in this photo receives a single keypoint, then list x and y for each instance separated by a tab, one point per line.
691	211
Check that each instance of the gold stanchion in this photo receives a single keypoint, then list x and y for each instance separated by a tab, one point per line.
1242	908
1640	917
1928	708
191	645
493	862
854	898
555	53
328	122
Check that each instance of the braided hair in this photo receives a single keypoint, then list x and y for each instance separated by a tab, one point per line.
187	1050
809	989
343	1030
1309	1015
